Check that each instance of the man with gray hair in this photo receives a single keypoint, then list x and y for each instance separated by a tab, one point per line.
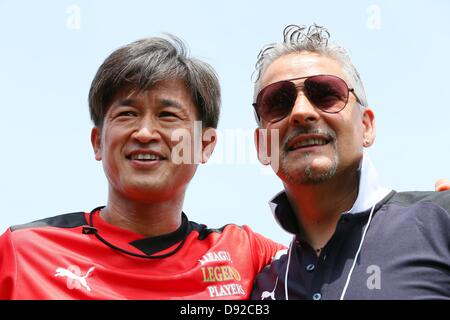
353	238
155	111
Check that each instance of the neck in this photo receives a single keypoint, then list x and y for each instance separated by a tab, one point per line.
148	219
318	207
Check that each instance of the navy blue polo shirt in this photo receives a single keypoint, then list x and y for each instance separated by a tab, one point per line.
405	253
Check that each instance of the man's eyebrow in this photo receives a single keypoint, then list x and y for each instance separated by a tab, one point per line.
130	101
126	102
171	103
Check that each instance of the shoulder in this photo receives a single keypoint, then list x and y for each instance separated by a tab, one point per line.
236	234
421	203
67	220
228	230
38	233
413	197
204	231
427	212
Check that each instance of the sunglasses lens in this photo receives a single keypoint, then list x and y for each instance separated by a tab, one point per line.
327	93
275	101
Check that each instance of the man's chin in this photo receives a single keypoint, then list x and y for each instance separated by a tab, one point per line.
307	175
147	193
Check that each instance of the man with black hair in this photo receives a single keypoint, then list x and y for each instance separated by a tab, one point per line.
155	111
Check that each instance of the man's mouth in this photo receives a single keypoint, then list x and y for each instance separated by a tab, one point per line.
145	156
308	142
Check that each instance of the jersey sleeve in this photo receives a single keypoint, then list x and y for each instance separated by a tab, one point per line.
263	249
7	266
435	225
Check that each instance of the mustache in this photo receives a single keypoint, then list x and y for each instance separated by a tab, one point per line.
330	134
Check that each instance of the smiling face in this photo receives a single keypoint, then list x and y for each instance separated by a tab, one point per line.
136	141
314	146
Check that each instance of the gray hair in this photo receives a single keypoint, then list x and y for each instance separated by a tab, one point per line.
141	64
312	39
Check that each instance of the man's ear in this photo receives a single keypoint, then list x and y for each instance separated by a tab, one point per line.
369	132
209	140
262	149
96	141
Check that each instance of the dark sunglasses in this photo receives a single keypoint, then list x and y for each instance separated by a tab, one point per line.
327	93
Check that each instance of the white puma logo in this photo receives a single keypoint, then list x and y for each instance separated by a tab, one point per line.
71	276
267	294
271	294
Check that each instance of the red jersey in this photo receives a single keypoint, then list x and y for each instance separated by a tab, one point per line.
54	259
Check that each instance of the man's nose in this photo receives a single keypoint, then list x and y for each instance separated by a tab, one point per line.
303	111
146	132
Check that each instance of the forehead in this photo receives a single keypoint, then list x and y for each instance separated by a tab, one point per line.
175	89
295	65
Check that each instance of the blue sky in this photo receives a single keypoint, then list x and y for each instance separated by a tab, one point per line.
52	49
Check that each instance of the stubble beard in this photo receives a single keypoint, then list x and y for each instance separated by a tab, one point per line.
309	175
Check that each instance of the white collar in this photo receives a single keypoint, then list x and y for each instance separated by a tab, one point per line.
370	192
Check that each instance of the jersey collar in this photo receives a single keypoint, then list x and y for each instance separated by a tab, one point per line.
137	243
